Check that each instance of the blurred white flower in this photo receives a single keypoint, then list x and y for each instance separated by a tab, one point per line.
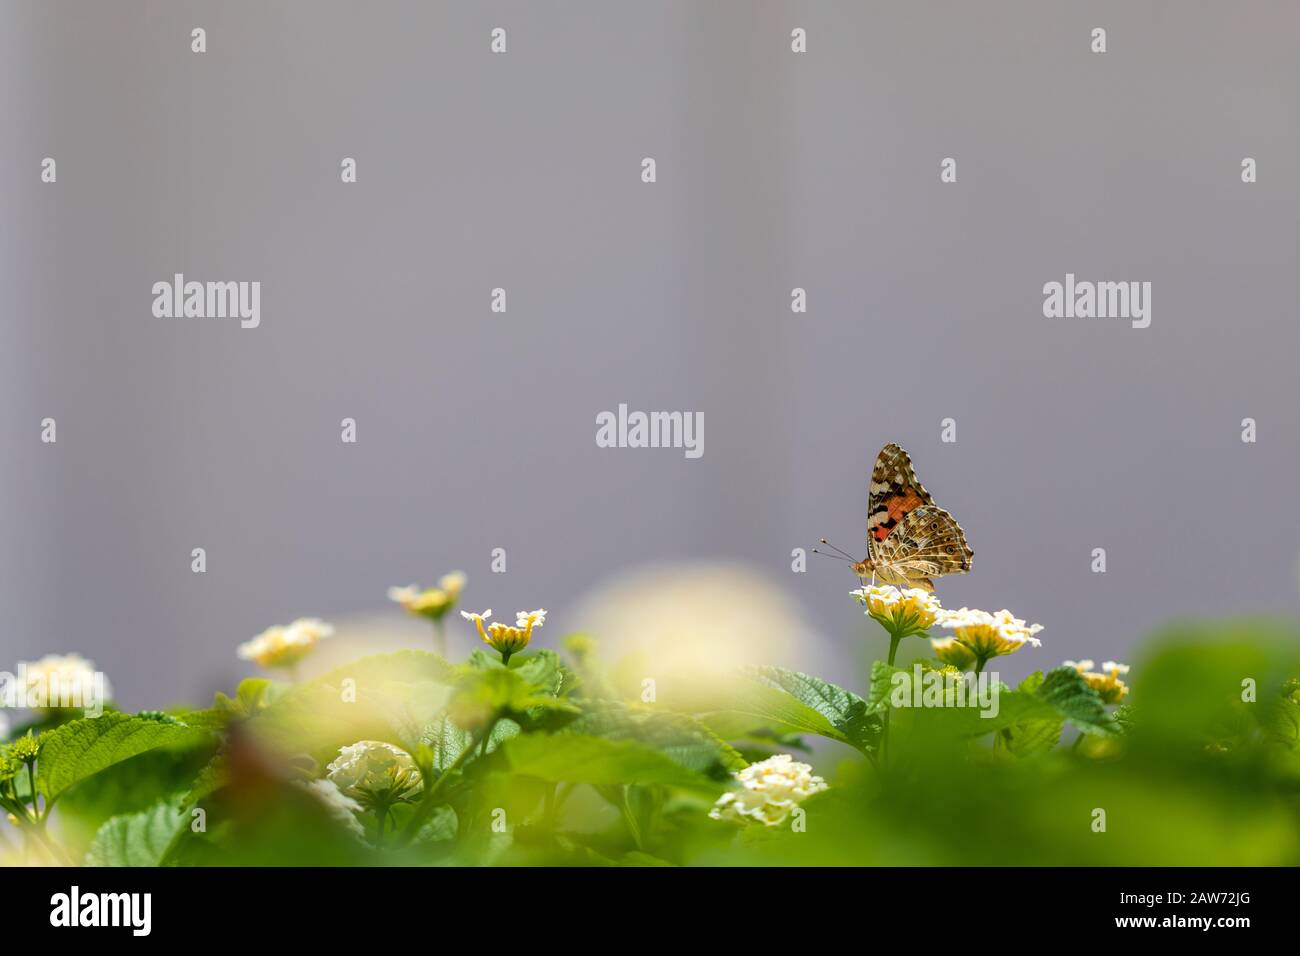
340	807
769	791
62	681
285	646
432	603
692	625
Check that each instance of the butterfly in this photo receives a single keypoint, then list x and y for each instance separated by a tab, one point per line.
910	539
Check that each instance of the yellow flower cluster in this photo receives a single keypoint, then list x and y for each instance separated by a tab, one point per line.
979	636
1107	684
285	646
432	603
900	611
502	638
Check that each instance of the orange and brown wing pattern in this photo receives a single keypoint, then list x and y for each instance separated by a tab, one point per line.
926	543
894	492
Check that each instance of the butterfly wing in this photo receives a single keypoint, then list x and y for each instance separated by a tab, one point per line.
894	493
926	543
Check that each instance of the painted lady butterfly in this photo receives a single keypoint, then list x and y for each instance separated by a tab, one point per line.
909	538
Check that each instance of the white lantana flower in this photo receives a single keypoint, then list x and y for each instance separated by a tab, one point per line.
769	791
285	646
375	772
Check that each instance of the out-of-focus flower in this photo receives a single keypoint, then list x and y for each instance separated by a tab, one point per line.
581	646
769	791
988	635
375	773
432	603
62	681
340	807
901	611
692	625
503	638
285	646
1107	684
9	767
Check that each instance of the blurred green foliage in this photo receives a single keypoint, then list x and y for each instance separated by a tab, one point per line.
543	762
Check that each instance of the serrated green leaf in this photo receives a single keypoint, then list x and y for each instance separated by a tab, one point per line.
1065	690
780	701
81	748
1060	695
137	839
1030	738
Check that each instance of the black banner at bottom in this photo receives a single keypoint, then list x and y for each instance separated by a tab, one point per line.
334	905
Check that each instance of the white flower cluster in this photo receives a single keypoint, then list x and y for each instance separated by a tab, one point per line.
903	610
371	770
769	791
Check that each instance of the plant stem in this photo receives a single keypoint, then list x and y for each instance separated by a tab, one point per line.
440	636
31	785
895	638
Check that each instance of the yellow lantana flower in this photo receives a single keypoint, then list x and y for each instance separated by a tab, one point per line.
504	639
1107	684
987	635
899	611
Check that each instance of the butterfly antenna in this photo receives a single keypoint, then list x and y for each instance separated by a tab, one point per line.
844	554
825	554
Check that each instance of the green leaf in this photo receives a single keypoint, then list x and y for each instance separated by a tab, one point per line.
1066	692
575	758
681	737
792	702
1029	738
79	749
137	839
1030	712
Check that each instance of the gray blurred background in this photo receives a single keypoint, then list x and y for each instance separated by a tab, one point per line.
776	170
